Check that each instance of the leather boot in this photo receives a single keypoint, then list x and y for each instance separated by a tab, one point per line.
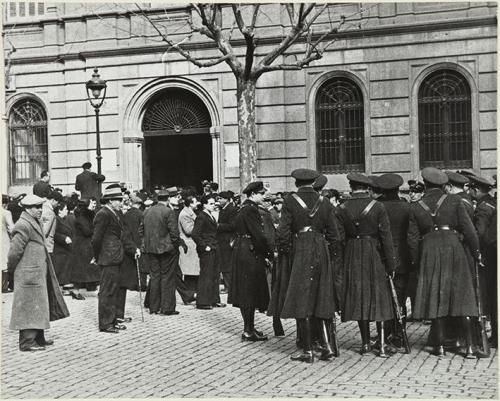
381	340
439	347
364	329
299	325
327	352
278	327
306	355
467	325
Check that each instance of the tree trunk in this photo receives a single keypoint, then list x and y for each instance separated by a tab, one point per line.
247	136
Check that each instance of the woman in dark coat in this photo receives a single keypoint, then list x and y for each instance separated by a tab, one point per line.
85	274
249	289
61	257
366	295
438	223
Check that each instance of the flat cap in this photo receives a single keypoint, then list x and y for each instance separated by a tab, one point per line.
305	174
256	186
359	179
172	191
31	200
434	176
389	181
456	178
225	195
320	182
481	181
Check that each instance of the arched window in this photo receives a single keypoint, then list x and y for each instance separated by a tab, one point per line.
444	116
28	142
340	127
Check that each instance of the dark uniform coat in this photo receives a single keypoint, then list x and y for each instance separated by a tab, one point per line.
311	289
62	257
248	283
225	233
37	297
205	234
82	270
445	283
467	200
87	182
106	240
41	189
366	293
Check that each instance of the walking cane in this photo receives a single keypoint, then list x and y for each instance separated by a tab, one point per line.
139	282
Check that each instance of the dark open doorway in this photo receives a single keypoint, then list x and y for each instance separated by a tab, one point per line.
181	160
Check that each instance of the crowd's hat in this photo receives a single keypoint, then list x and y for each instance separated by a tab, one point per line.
172	191
86	165
256	186
56	195
434	176
148	202
481	181
456	179
163	194
31	200
225	195
135	199
389	181
112	192
305	174
359	178
320	182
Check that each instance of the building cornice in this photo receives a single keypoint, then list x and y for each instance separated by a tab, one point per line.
452	24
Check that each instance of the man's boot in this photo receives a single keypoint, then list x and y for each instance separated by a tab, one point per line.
327	352
438	329
364	329
305	355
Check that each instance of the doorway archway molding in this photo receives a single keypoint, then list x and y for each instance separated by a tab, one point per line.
131	168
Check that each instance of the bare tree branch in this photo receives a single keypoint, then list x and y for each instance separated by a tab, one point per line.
290	11
256	9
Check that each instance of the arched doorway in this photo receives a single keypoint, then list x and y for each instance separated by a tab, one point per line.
177	144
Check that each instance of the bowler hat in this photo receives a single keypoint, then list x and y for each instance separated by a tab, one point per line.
112	192
320	182
305	174
434	176
457	179
359	178
389	181
255	186
31	200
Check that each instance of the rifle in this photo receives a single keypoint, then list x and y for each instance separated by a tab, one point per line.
482	317
399	315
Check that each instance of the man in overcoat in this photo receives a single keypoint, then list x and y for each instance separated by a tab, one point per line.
205	236
49	218
109	253
42	187
160	244
307	220
225	233
87	182
37	297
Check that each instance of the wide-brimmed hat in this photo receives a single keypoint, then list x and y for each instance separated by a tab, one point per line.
31	200
113	193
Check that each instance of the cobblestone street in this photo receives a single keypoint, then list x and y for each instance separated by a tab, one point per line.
199	354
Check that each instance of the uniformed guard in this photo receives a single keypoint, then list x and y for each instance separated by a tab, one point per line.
485	220
306	229
445	284
399	214
248	290
457	184
366	295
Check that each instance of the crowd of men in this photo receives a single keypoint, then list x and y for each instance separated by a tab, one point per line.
311	255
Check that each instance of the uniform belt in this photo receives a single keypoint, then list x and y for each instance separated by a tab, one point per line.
307	229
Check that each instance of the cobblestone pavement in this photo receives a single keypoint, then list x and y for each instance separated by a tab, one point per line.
199	354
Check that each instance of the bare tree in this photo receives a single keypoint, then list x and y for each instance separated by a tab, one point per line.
299	34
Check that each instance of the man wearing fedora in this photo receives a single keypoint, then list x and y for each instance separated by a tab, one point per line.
109	253
87	182
36	282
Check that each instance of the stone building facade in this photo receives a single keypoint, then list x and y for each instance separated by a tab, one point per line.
413	85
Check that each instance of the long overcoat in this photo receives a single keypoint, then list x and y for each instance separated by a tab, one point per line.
249	283
366	293
87	182
107	238
37	297
311	290
445	284
189	262
225	233
62	256
82	270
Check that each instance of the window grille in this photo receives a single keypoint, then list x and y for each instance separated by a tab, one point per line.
340	127
174	111
24	11
28	142
444	115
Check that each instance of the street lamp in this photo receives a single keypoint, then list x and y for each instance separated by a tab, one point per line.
94	88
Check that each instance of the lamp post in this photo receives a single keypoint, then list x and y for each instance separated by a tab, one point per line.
94	88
